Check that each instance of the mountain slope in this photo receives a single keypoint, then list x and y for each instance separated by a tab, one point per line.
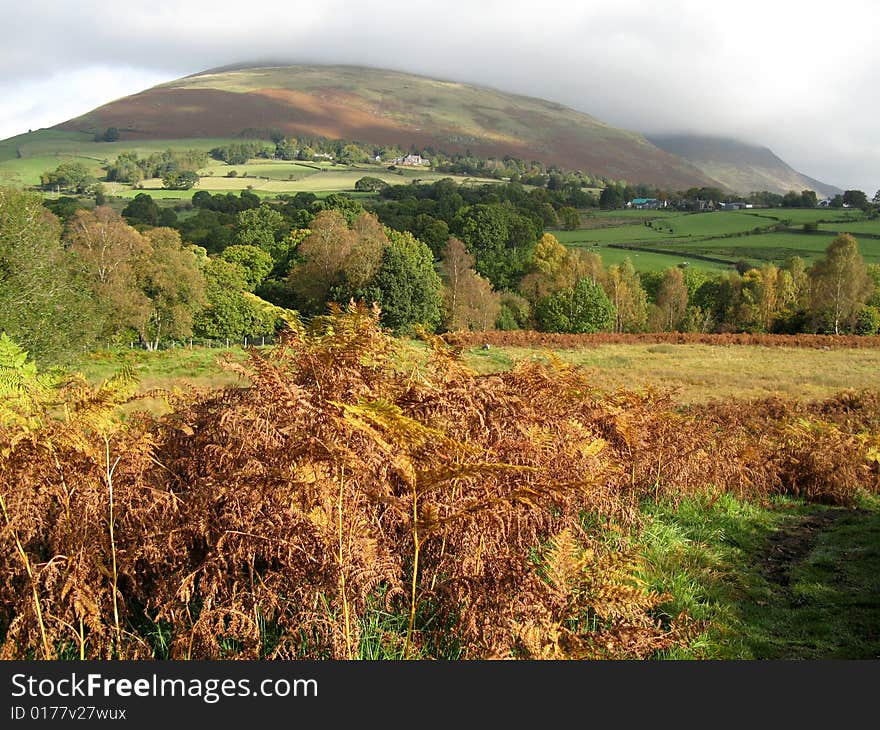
387	107
739	166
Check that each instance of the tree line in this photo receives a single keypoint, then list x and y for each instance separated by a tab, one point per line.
478	260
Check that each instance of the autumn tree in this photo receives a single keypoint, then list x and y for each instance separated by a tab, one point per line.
624	289
321	254
671	304
111	253
840	283
335	260
555	267
469	302
170	278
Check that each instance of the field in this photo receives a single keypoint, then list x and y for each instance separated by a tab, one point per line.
696	373
23	159
665	239
366	498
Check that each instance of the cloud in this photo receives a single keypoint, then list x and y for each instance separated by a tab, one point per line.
798	78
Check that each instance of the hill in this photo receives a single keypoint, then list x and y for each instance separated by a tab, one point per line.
738	166
386	107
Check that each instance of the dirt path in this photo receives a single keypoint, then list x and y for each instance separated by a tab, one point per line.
793	543
823	572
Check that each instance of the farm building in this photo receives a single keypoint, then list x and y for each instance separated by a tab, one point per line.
647	203
411	160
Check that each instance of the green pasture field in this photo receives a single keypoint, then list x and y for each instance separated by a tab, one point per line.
25	157
798	216
650	260
27	170
727	235
855	227
617	234
718	223
773	247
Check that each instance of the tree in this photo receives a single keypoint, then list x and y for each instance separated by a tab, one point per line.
841	284
170	278
874	274
469	301
111	253
809	199
71	175
262	227
336	261
44	301
142	210
672	301
370	185
610	197
855	199
228	313
406	286
624	289
582	309
126	169
569	218
501	240
321	255
285	149
254	262
868	321
180	179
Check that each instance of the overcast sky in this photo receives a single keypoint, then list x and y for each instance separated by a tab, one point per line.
799	77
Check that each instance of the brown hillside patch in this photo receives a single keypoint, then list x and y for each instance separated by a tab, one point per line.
562	138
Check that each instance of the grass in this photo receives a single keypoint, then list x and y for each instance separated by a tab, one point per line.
728	235
871	226
799	216
181	367
709	556
774	247
699	373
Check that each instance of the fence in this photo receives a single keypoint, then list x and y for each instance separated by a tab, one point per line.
219	343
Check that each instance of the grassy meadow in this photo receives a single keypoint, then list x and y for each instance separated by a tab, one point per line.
758	236
695	373
24	158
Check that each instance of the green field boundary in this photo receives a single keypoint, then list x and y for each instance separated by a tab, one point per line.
680	254
826	232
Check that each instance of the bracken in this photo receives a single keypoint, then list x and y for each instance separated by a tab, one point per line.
270	520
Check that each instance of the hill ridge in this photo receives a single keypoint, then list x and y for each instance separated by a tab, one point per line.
738	165
385	106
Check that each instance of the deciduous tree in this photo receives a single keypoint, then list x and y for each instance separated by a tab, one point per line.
841	284
44	299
